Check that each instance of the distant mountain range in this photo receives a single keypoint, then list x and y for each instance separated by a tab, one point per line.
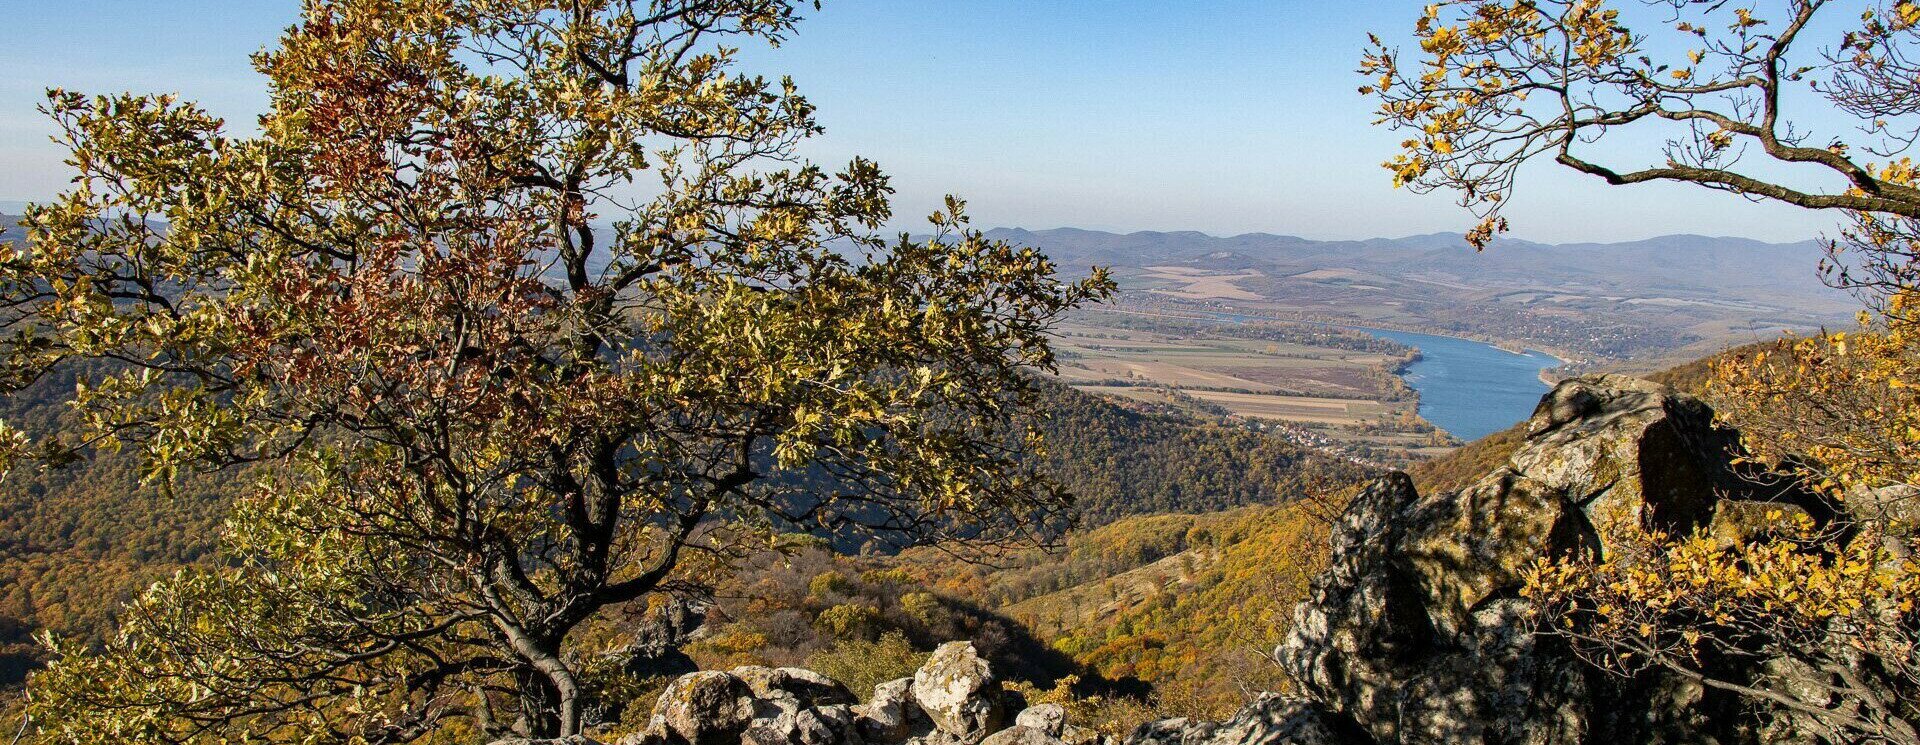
1691	263
1677	293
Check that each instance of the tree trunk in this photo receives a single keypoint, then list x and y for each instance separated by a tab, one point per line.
549	692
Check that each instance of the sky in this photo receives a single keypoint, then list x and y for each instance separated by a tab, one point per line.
1222	116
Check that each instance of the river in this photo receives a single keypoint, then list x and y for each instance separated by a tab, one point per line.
1470	388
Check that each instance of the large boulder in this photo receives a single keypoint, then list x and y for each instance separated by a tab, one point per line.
1048	718
704	708
959	693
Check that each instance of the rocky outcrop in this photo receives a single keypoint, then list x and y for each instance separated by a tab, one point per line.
659	636
1417	632
954	699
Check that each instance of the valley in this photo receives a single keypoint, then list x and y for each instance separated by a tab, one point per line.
1320	386
1318	340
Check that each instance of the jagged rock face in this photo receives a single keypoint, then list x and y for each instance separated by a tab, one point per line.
1417	634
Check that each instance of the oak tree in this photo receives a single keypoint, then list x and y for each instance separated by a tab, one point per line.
1808	102
514	311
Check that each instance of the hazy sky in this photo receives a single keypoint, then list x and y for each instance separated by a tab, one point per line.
1224	116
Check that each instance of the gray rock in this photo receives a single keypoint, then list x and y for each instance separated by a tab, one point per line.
574	740
1272	720
891	715
705	708
958	692
1048	718
1021	735
1416	632
658	636
811	688
784	722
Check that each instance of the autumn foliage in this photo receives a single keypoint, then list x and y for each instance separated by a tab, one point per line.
512	313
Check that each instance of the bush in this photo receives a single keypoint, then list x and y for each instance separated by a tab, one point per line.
862	664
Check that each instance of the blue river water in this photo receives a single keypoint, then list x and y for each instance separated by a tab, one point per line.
1469	388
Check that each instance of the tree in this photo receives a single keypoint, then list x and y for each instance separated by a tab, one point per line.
1500	83
1809	610
516	311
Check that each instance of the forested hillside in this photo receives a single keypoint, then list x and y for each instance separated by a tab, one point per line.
1186	603
76	542
1123	461
1191	603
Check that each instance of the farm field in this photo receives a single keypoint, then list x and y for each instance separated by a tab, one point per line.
1343	397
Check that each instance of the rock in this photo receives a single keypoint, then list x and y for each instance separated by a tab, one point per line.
811	688
1417	633
784	722
658	636
1048	718
705	708
574	740
789	706
1072	735
958	692
1021	735
1272	720
891	715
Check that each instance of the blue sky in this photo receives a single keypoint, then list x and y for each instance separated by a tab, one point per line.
1225	116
